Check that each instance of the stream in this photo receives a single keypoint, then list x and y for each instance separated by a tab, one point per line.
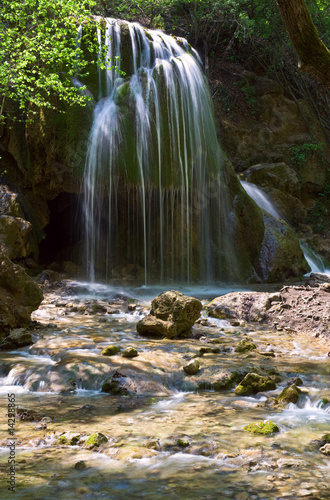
171	435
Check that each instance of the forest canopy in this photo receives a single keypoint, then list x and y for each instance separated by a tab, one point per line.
39	53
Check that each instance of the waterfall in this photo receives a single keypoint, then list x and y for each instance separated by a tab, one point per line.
153	194
263	201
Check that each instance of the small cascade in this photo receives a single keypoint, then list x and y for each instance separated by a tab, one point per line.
153	198
261	198
315	262
263	201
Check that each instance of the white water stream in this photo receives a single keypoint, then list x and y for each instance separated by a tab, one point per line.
264	201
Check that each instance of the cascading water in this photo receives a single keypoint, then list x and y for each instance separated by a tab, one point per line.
153	198
263	201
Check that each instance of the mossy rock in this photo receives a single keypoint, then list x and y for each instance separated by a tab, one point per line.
114	387
110	350
325	439
130	352
227	380
69	439
95	440
182	442
80	465
245	346
192	368
289	395
204	386
265	428
253	383
243	391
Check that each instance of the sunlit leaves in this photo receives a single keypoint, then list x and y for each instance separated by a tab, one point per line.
39	53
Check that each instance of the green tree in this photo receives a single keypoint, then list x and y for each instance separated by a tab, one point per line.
39	53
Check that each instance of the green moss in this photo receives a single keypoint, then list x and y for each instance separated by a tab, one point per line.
63	440
245	346
289	395
110	350
183	443
243	391
124	93
69	439
80	465
253	383
325	439
265	428
228	381
113	387
96	439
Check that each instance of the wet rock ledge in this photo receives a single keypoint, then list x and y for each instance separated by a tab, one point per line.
304	308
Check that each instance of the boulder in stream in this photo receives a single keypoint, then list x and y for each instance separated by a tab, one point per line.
110	350
265	428
289	395
130	352
253	383
95	440
192	368
245	345
171	314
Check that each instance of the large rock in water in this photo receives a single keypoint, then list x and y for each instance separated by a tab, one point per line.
171	314
19	295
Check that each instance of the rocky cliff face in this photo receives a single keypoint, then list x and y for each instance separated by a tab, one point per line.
278	142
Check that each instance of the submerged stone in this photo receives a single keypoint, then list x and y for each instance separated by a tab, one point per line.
171	314
265	428
110	350
135	452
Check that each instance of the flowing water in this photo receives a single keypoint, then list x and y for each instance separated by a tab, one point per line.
154	203
263	201
167	438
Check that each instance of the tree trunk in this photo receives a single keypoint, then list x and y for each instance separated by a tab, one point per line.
314	55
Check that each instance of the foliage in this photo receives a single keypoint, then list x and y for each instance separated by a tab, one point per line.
39	53
299	154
